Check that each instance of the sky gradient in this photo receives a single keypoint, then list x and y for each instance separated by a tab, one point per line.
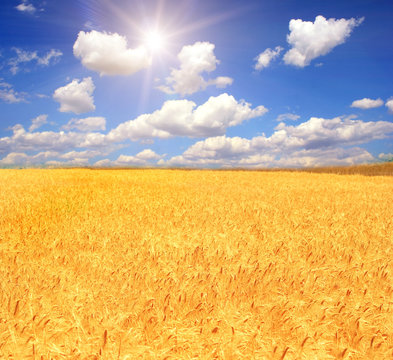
195	83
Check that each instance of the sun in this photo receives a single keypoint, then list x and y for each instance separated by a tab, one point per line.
154	41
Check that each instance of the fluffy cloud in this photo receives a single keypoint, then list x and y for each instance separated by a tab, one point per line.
21	140
175	118
264	58
88	124
18	159
143	158
86	154
325	157
367	103
310	40
25	6
255	159
76	96
194	60
183	118
385	157
319	132
38	122
49	158
60	164
23	56
74	158
108	54
287	116
315	142
51	146
9	95
389	105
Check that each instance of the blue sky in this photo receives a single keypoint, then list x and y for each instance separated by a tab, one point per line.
195	83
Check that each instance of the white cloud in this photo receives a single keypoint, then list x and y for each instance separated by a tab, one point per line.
221	82
23	56
148	154
9	95
38	122
25	6
23	159
319	132
73	162
46	59
310	40
389	105
315	142
175	118
143	158
76	96
325	157
287	116
194	60
264	59
21	140
14	159
88	124
255	159
108	54
183	118
103	163
386	157
367	103
86	154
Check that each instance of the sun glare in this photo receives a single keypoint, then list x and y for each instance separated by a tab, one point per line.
155	41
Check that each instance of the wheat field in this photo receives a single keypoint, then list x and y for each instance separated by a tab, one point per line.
171	264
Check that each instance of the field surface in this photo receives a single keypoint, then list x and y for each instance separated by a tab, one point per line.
170	264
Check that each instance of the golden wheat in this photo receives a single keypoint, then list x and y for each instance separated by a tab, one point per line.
167	264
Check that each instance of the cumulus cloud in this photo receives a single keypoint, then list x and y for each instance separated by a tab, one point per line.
389	105
367	103
183	118
310	40
324	157
22	141
175	118
76	96
60	164
320	132
255	159
194	60
264	59
22	159
23	57
143	158
9	95
38	122
75	158
86	154
287	116
51	146
87	124
386	157
315	142
108	54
